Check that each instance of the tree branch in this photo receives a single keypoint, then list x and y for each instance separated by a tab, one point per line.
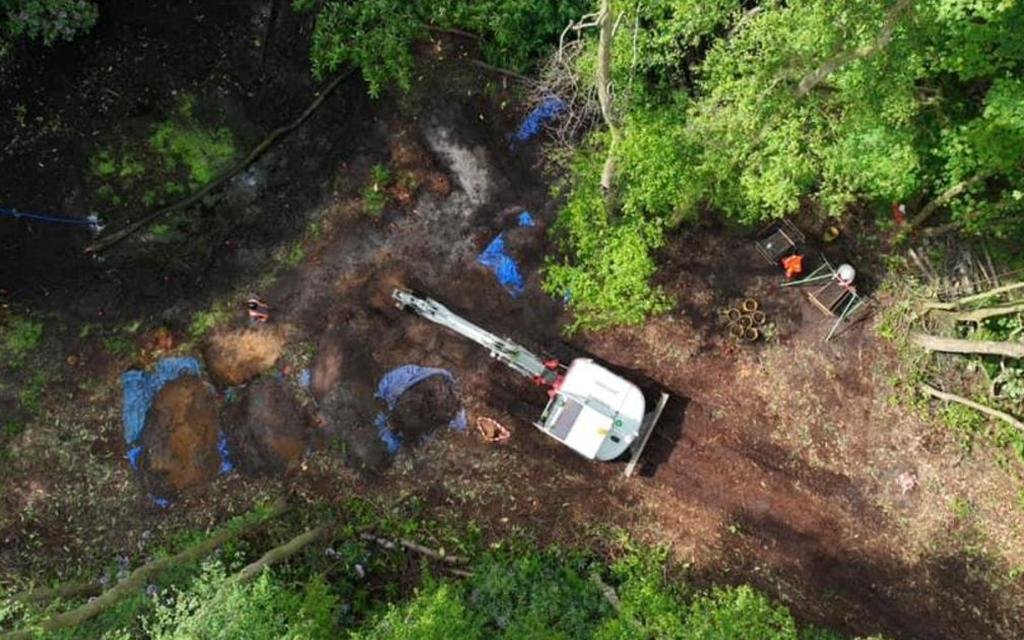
66	591
138	578
505	72
131	228
995	413
944	198
418	548
957	345
604	94
977	297
979	315
452	31
283	552
816	77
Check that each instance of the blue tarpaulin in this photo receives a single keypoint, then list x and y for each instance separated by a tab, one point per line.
226	466
398	380
141	387
391	387
503	266
549	109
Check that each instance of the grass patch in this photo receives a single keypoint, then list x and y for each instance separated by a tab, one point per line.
292	255
119	346
30	397
205	320
20	337
203	154
374	194
179	155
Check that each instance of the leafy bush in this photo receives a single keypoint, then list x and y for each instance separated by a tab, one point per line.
376	35
737	613
373	35
532	595
437	612
515	33
214	606
48	20
604	273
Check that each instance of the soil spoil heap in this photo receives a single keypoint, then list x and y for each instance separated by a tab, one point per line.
266	429
179	440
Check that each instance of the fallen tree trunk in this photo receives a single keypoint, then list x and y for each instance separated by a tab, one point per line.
991	312
283	552
67	590
977	297
958	345
137	579
989	411
131	228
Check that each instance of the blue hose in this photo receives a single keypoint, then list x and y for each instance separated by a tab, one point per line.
91	222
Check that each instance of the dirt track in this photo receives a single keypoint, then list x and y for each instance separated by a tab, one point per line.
774	464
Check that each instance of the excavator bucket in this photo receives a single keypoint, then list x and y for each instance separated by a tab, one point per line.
650	422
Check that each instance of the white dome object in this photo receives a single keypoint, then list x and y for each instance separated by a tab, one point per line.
846	273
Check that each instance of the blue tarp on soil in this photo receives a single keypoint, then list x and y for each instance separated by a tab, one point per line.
504	266
549	109
141	387
391	387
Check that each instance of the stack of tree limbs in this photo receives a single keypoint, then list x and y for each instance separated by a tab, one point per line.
970	312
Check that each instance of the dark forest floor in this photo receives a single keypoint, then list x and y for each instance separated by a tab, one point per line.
776	464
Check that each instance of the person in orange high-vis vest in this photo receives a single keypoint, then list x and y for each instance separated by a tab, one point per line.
793	265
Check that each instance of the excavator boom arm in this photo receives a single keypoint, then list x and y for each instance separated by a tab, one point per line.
512	354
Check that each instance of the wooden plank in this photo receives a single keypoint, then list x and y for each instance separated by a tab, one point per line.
646	430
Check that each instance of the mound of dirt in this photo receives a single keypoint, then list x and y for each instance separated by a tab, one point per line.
179	440
423	408
266	429
349	409
325	372
236	356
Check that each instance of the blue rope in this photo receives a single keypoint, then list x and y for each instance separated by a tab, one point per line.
90	222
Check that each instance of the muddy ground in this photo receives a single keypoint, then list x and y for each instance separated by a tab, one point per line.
777	463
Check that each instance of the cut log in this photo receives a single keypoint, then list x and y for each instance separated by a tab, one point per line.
989	411
944	198
991	312
958	345
977	297
137	579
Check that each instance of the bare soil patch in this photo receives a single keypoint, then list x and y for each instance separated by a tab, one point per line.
236	356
